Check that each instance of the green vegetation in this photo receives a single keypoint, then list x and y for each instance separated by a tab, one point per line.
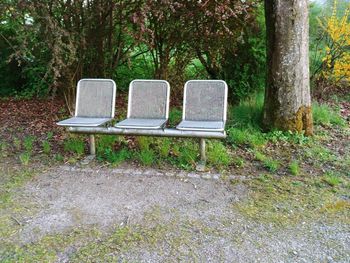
74	145
325	115
294	168
46	147
287	201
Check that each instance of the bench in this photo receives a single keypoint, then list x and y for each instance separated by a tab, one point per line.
204	110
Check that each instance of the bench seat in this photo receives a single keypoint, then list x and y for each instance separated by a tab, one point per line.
201	125
84	122
137	123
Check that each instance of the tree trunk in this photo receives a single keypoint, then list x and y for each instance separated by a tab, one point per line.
287	96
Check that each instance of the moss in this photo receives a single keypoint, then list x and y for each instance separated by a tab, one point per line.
285	201
300	122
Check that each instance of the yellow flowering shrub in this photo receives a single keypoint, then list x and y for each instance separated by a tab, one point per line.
336	61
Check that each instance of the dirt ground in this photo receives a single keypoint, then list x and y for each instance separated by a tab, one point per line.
180	216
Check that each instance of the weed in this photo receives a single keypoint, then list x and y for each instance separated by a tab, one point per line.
332	179
271	165
325	115
46	147
74	145
217	154
105	143
164	147
49	135
187	153
144	142
238	161
24	158
146	157
59	157
320	153
251	137
175	116
294	167
296	138
117	157
28	143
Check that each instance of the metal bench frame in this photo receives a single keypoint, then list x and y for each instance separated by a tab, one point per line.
164	132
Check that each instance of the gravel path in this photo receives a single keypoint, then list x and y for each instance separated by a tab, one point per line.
199	212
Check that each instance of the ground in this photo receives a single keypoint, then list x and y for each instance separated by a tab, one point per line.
263	207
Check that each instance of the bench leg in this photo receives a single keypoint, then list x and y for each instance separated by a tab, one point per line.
92	145
201	165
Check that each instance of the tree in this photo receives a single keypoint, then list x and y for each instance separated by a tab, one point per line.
287	97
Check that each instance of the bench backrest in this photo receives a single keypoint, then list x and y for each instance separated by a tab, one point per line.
95	98
149	99
205	100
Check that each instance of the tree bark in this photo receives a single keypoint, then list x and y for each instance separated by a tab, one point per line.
287	96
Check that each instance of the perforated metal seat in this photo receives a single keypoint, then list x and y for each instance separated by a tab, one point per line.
95	103
204	106
148	106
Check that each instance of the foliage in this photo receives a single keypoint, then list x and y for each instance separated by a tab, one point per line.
24	158
336	60
116	157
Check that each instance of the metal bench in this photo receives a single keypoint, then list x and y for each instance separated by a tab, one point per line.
95	103
204	106
148	105
204	112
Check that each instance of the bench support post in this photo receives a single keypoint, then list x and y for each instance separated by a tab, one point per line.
202	150
201	165
92	145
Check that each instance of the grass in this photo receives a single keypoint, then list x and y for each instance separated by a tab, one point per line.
217	154
74	145
332	179
269	163
28	143
24	158
294	168
326	116
46	147
117	157
146	157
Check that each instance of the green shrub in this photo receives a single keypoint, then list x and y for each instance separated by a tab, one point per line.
74	145
217	154
325	115
146	157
